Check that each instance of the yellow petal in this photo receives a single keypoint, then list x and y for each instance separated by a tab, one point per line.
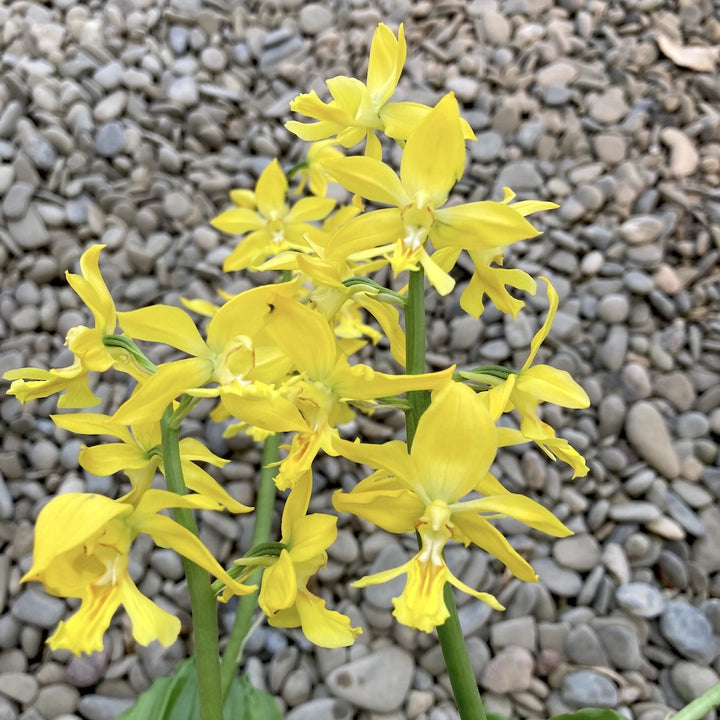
542	333
361	382
92	289
490	539
391	456
278	589
388	318
312	132
109	458
84	631
401	118
149	621
434	156
311	536
292	325
369	178
369	230
387	57
152	397
491	281
323	627
296	504
168	534
92	424
201	482
480	225
66	522
238	221
164	324
347	93
520	508
548	384
451	456
487	598
244	314
386	504
271	190
311	208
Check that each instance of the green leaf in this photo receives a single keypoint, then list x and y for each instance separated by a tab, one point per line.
176	698
244	702
495	716
591	714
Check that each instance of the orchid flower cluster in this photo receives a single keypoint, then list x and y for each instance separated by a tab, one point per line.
283	358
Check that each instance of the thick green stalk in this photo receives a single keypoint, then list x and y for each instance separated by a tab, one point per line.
264	505
415	349
204	611
701	706
457	660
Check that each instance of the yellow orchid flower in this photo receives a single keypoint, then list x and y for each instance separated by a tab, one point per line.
274	226
87	345
358	109
138	455
329	385
534	384
313	171
489	280
230	357
81	550
284	596
432	162
421	491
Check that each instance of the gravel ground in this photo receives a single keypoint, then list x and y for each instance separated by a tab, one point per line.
127	122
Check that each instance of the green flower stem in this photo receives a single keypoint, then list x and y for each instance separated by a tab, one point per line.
264	506
457	660
699	707
204	612
419	400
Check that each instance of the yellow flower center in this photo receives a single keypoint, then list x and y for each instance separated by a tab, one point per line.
435	528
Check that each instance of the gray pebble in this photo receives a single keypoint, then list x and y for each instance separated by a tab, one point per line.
489	145
690	680
380	596
509	671
688	631
18	686
648	434
517	632
638	282
379	681
110	139
521	176
641	230
99	707
111	106
640	599
322	709
587	688
679	510
17	200
45	455
583	647
184	90
213	59
178	39
621	643
30	232
37	608
577	552
558	580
